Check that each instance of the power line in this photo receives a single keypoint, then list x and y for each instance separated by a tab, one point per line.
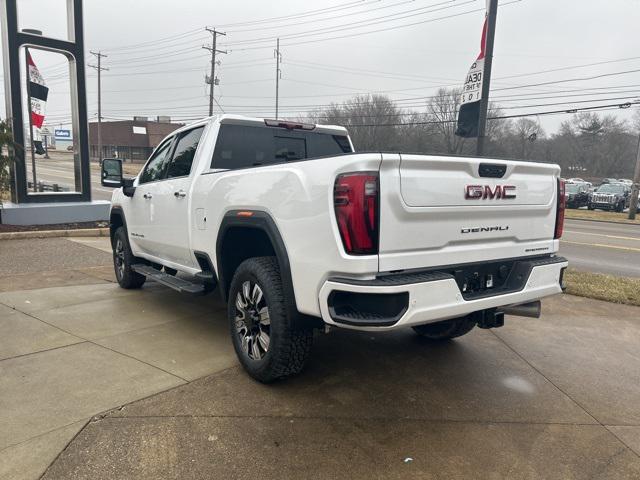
344	6
157	40
293	109
180	70
358	24
504	117
571	67
575	79
421	22
316	20
152	44
603	108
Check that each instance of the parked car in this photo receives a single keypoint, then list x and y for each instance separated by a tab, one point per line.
575	180
609	180
577	195
297	232
610	196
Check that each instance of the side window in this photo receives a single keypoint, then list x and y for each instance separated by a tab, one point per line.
155	167
239	147
180	165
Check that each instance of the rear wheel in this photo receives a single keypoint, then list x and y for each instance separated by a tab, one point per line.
123	259
267	341
447	329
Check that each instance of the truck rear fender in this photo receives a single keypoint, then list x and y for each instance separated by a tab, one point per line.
246	234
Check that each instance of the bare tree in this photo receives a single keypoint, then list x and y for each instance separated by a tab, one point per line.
588	144
373	121
526	135
442	109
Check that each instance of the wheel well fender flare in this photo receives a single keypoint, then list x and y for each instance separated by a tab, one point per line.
116	212
258	220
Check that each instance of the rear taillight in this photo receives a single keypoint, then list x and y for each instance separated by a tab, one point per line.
562	203
356	201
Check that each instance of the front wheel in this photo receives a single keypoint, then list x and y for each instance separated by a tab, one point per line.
123	259
447	329
267	341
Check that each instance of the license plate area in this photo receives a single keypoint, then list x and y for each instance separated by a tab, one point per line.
488	279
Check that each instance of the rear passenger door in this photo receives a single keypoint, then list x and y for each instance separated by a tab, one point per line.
170	224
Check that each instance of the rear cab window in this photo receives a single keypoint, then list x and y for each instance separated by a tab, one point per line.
243	146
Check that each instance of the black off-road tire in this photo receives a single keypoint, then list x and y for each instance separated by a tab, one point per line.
123	259
447	329
591	207
289	345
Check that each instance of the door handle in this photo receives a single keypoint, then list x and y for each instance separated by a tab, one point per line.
180	194
148	196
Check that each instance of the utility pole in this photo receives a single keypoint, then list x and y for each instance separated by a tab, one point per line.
99	68
486	75
636	187
213	49
278	57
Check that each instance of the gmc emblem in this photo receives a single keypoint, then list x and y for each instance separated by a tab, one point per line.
482	192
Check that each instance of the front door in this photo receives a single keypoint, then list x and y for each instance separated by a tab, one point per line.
141	209
170	221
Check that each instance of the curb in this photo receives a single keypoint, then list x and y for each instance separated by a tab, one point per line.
637	224
80	232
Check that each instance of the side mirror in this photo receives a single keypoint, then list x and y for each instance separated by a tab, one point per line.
111	173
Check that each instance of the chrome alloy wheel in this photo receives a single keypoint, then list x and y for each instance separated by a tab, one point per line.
253	325
118	258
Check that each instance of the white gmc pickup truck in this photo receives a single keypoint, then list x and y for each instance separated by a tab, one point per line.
297	232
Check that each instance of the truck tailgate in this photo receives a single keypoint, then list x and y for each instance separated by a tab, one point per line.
438	210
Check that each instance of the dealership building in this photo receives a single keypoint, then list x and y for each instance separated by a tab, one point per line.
132	140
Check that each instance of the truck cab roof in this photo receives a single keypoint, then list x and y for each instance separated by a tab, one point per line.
267	122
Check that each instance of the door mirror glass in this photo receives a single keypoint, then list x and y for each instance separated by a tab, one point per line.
111	172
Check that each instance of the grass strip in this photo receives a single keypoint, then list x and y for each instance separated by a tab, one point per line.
600	286
614	217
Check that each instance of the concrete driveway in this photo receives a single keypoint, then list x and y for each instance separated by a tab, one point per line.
82	367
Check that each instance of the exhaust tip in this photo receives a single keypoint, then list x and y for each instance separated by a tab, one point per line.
531	309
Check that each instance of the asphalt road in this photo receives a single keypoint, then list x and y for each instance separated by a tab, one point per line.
59	169
603	247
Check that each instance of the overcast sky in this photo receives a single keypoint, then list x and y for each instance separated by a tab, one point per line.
157	66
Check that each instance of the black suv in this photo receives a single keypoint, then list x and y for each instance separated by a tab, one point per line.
577	195
610	196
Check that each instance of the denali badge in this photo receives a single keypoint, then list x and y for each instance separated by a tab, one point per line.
477	192
497	228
